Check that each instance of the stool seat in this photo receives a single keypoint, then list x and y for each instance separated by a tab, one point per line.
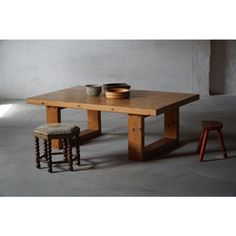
56	128
212	125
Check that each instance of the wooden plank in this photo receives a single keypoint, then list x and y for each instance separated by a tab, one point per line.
159	145
94	120
135	137
141	102
171	123
88	134
53	115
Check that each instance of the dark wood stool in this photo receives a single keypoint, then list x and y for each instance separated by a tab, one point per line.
207	126
63	131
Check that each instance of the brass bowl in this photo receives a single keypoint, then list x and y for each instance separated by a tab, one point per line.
117	93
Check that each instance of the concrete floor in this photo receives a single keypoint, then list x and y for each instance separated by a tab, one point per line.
106	170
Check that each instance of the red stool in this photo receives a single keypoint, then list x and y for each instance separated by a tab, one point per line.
206	127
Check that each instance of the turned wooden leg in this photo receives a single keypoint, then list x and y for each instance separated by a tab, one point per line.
136	137
49	156
65	150
45	146
77	149
69	151
200	143
37	152
53	115
222	145
204	142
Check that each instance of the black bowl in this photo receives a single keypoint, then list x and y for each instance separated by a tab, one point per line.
116	85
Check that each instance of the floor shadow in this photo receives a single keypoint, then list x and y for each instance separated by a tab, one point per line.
58	168
98	162
168	153
121	158
108	161
219	159
76	168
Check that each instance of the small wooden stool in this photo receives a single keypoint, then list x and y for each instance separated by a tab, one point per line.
206	127
63	131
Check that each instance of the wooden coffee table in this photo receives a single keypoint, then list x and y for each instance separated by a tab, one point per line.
140	105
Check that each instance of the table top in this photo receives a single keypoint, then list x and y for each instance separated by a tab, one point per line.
142	102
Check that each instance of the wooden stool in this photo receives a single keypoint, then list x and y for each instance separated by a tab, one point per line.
206	127
62	131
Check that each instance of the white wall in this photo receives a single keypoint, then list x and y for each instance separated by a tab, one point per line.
31	67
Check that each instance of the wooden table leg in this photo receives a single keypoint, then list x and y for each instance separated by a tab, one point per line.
136	137
94	126
136	144
171	134
94	120
171	122
53	115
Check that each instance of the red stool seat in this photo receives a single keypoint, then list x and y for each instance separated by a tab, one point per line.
206	127
212	125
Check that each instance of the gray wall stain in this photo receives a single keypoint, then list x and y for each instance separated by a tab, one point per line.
223	67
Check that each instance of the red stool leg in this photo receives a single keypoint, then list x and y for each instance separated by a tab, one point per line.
200	143
204	142
222	145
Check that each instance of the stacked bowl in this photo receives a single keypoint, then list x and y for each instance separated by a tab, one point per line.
116	90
